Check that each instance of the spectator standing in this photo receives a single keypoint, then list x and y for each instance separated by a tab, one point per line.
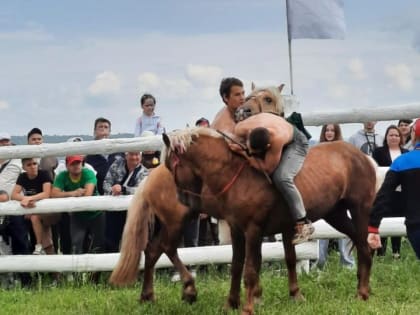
10	170
101	164
31	186
329	133
78	181
207	223
404	171
148	121
404	125
367	139
384	156
123	176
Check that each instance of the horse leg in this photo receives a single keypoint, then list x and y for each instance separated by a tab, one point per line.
364	257
170	247
253	240
152	254
356	229
290	257
238	257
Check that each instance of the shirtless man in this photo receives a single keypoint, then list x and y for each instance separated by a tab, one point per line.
233	95
278	149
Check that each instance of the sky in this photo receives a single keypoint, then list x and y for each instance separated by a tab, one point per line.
65	63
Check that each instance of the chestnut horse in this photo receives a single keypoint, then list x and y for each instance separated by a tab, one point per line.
156	197
335	177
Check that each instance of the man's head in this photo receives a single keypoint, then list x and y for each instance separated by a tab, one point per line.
202	122
74	164
102	128
232	92
259	141
5	139
30	166
148	104
369	126
35	136
133	158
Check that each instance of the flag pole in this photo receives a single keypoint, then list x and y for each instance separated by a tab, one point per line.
289	40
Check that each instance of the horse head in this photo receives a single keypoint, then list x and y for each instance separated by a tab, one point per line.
187	181
268	100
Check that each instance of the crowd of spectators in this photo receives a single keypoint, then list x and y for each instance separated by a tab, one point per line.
31	179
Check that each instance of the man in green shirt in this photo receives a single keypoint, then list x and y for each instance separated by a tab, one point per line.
78	181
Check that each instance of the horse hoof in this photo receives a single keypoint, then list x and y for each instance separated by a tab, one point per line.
247	311
232	304
298	297
362	296
189	294
147	297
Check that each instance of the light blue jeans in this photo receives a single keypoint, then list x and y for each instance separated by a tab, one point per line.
344	245
291	162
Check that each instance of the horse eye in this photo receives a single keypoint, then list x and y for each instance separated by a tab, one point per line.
268	99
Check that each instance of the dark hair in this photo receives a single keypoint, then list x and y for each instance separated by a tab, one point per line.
3	192
101	120
34	131
259	138
227	84
146	96
406	121
337	133
201	120
385	143
24	160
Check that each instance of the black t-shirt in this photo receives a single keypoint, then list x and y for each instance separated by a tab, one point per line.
33	186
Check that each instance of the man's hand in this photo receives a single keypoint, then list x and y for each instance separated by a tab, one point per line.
374	240
116	190
79	192
27	202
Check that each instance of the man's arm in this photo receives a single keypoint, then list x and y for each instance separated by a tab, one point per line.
381	207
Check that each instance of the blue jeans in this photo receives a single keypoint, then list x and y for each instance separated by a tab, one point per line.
413	235
344	245
291	162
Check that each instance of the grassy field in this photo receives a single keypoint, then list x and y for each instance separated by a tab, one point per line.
395	290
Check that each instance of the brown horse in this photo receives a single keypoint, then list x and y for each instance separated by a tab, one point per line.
335	177
157	196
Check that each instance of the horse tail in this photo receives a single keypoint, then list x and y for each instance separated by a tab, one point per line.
134	239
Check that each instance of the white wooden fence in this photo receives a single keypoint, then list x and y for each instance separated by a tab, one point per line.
194	256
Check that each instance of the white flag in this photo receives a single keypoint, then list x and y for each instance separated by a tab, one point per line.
321	19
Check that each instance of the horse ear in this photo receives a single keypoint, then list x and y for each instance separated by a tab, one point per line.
280	87
166	140
252	86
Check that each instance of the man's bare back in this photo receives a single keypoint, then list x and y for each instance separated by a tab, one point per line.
280	134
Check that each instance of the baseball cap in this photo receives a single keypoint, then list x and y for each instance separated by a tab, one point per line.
202	120
416	127
4	136
74	158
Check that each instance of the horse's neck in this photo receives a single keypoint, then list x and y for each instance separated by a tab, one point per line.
217	166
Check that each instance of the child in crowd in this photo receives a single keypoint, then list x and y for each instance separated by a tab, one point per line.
148	121
31	186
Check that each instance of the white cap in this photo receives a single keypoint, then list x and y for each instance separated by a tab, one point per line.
4	136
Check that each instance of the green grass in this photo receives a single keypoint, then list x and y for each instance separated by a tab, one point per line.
395	290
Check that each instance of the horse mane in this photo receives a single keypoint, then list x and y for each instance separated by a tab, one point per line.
182	139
